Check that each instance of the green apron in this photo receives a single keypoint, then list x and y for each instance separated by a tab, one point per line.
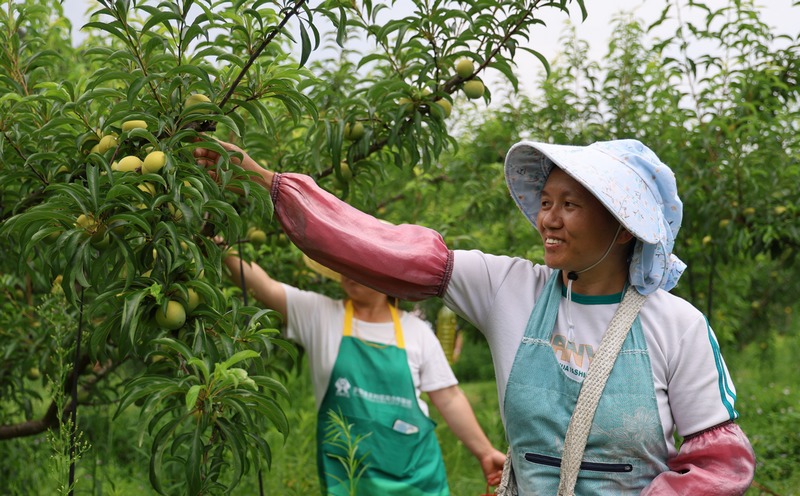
372	388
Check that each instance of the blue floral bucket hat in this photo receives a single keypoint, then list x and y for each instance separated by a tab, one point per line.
629	180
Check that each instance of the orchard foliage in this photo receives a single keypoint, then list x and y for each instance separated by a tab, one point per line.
718	101
89	225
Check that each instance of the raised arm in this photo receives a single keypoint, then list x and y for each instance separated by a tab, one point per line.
457	413
268	291
406	261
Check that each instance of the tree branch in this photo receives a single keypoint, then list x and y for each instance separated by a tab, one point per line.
50	418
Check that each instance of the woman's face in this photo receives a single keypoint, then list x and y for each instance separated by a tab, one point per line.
360	293
575	227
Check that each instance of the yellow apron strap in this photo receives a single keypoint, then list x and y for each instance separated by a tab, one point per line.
348	318
348	323
398	330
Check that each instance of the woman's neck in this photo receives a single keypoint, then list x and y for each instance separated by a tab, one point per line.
590	284
372	311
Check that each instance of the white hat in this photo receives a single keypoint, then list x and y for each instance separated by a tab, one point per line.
628	179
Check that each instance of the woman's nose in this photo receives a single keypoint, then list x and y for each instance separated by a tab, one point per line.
549	217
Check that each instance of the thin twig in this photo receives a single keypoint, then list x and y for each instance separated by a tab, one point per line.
253	56
73	434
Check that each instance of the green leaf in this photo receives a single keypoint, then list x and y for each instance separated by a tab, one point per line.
191	396
238	357
305	45
200	364
107	27
132	314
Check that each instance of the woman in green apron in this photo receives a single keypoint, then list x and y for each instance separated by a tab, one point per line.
369	363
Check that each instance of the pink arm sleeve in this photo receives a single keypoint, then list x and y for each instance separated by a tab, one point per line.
406	261
718	461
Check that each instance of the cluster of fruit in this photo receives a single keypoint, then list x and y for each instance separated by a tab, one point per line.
172	312
472	87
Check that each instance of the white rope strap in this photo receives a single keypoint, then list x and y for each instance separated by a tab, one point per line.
508	485
592	389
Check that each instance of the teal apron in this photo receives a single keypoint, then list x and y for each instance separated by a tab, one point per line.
625	449
371	386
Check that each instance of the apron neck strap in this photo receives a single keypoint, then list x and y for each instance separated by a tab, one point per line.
398	330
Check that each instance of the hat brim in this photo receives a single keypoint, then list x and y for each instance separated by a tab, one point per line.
321	269
619	188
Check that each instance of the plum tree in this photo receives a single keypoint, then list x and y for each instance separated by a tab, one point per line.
145	73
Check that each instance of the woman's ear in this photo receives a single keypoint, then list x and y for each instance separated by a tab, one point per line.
624	236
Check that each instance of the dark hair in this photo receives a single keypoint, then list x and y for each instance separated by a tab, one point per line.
631	247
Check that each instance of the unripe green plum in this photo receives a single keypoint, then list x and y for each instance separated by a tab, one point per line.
193	300
446	106
256	236
134	124
129	164
94	230
154	162
172	317
85	221
195	99
107	142
354	132
148	188
474	89
175	211
100	238
347	173
465	68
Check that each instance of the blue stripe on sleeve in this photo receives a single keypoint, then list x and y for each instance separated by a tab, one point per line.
726	394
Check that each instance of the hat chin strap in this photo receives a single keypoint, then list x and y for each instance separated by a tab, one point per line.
573	276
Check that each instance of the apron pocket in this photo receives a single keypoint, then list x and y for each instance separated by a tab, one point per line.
387	450
552	461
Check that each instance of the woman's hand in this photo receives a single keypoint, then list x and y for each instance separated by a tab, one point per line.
208	158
